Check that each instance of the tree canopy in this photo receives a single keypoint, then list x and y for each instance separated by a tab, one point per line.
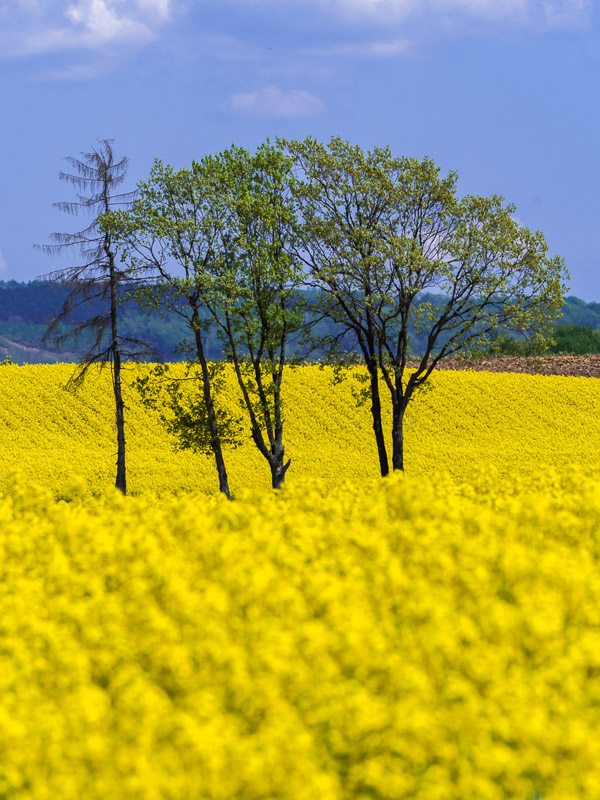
378	231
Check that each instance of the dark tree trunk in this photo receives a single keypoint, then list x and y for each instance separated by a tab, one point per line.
121	480
275	457
274	453
215	439
398	436
377	426
278	466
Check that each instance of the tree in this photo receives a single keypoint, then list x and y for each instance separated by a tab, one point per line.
96	283
379	231
226	224
172	237
255	300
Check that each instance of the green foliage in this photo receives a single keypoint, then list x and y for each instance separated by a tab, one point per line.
515	346
575	339
566	338
257	305
178	398
379	233
6	361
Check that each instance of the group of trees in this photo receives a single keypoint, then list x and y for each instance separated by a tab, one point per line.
567	339
233	243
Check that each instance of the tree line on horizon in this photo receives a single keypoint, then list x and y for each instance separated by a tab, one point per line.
27	307
299	244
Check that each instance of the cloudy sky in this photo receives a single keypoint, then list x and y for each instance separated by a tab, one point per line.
504	92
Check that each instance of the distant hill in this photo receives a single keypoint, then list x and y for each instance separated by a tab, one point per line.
27	308
578	312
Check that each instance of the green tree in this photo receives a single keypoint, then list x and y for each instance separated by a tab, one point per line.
172	234
255	300
228	225
378	231
96	282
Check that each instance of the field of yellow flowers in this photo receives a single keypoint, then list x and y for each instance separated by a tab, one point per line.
434	636
463	424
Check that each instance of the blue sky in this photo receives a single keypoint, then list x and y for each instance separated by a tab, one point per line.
504	92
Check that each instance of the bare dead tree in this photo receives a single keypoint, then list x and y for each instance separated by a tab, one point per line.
98	283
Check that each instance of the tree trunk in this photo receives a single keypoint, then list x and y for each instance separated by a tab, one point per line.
121	480
278	467
377	426
274	456
215	440
398	437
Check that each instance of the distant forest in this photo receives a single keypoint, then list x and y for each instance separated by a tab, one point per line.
27	308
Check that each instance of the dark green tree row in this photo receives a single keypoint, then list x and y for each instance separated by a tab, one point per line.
350	253
567	339
26	309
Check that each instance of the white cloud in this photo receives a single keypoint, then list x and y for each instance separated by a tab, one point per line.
273	102
159	9
373	49
33	28
101	22
398	9
568	14
541	14
485	9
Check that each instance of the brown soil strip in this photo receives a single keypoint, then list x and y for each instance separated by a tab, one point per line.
574	366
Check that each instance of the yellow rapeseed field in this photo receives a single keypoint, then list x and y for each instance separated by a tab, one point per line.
464	424
434	636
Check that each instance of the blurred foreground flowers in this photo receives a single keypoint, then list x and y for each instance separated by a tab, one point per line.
408	638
